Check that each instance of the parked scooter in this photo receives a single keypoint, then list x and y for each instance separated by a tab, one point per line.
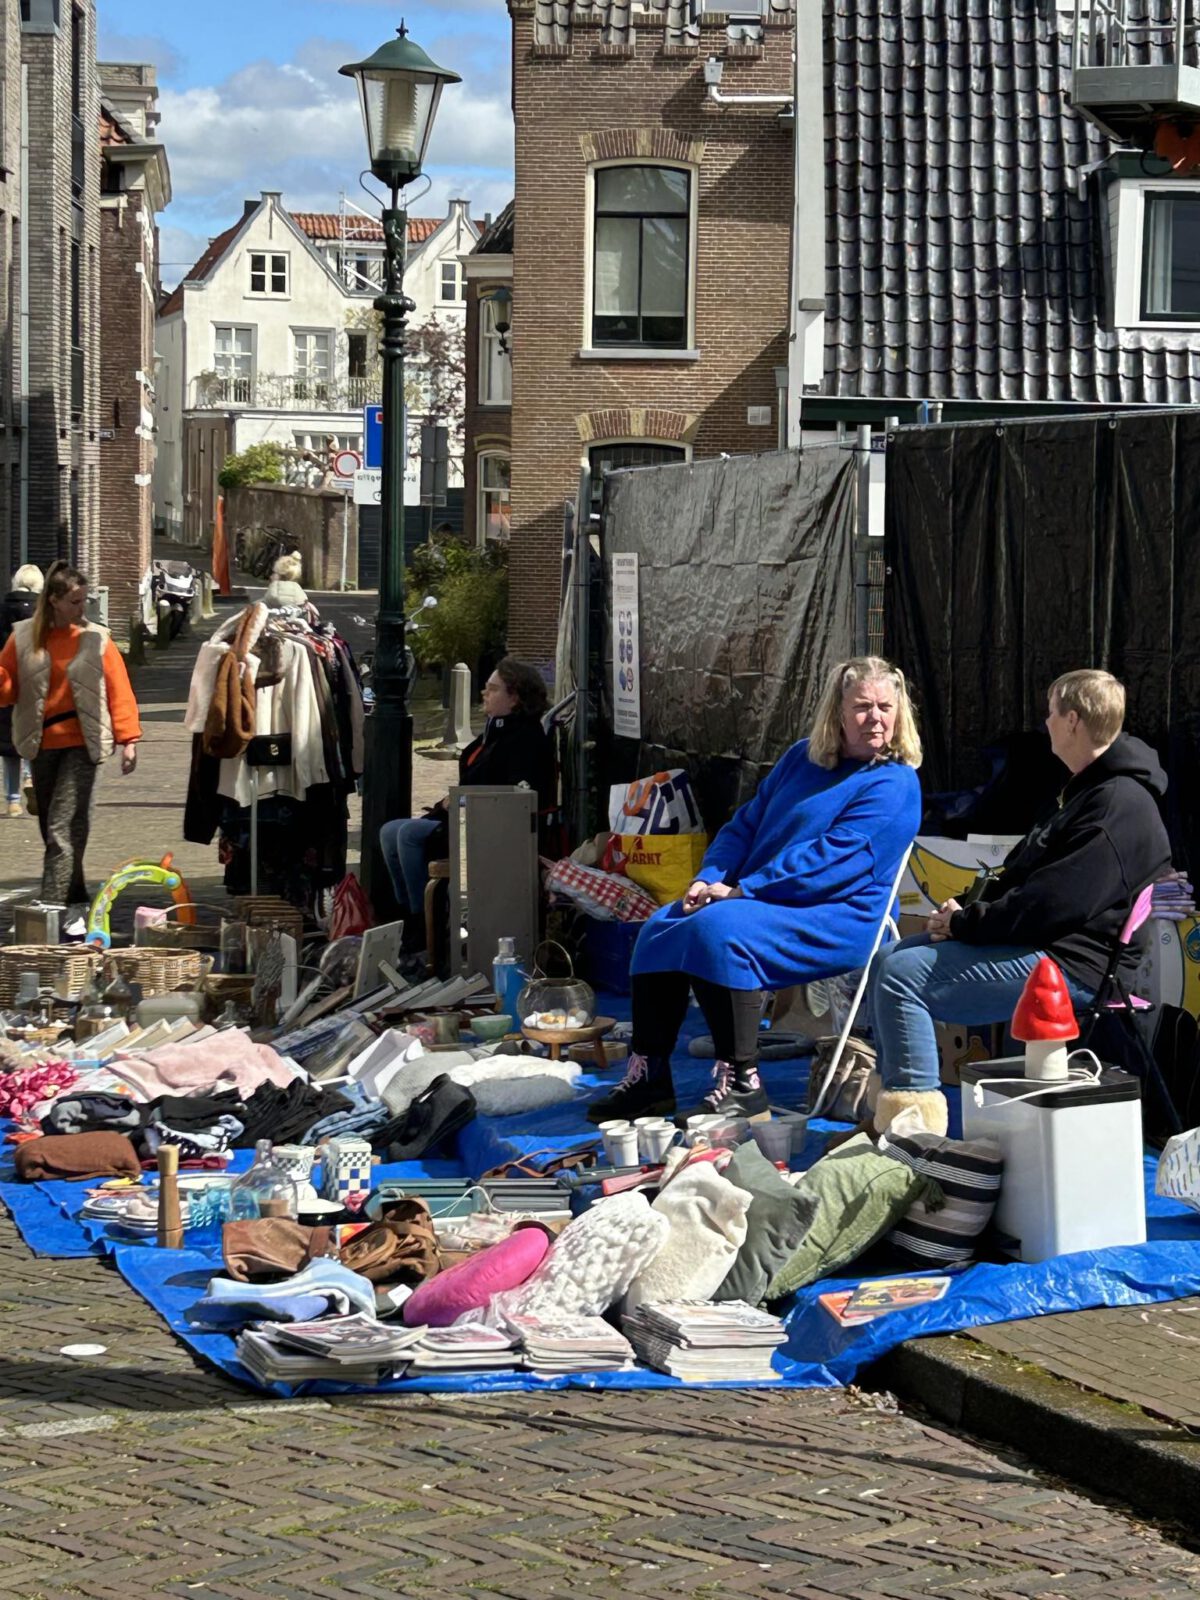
366	661
172	592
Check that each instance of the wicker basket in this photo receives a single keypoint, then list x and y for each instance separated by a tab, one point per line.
269	910
52	963
158	971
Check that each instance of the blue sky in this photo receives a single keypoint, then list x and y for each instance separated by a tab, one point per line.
251	100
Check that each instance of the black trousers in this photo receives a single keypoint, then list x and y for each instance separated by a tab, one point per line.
63	781
660	1002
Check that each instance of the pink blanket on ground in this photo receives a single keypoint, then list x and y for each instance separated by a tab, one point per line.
227	1060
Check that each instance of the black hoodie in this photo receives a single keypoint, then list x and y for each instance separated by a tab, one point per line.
1068	887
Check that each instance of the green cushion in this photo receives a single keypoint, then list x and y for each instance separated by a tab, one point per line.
860	1194
778	1218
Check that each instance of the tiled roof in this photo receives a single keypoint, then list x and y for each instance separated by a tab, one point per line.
552	18
498	239
215	250
328	225
962	244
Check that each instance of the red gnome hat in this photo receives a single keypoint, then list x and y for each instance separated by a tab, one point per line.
1044	1011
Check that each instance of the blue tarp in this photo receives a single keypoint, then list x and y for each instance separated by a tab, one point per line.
818	1353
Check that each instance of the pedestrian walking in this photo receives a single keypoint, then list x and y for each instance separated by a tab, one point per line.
16	606
73	705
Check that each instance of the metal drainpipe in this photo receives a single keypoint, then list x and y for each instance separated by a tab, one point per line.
24	319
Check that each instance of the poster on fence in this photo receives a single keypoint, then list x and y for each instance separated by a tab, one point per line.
627	693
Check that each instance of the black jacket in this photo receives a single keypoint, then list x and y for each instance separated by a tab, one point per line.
1068	887
15	607
509	751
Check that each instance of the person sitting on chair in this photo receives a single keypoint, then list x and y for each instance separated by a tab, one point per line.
1064	891
513	749
793	888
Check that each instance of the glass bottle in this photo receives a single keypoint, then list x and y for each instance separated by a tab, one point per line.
120	996
264	1190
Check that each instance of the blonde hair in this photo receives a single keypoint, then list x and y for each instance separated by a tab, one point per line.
825	740
288	568
61	578
1096	698
29	577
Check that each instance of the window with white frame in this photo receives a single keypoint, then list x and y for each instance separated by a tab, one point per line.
495	364
641	253
311	362
1171	255
495	486
268	272
233	361
327	444
453	287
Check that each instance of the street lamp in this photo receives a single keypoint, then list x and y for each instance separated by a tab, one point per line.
399	87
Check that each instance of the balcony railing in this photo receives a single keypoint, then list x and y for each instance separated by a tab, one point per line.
273	391
1135	64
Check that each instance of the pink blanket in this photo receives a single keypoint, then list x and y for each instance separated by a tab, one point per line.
227	1060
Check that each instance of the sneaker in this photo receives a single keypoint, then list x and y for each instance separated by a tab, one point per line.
646	1090
736	1092
15	808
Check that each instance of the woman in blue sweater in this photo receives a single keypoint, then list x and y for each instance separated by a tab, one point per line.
792	889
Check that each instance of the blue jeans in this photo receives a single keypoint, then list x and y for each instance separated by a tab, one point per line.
916	983
12	777
403	846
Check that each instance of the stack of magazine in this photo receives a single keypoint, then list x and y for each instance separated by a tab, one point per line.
469	1348
572	1344
351	1349
701	1343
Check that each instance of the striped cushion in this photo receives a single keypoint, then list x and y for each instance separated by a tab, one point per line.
969	1173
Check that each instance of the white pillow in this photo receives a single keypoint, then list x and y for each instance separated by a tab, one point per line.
707	1217
592	1263
503	1086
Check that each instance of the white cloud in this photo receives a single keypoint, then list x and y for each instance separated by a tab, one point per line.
151	47
295	126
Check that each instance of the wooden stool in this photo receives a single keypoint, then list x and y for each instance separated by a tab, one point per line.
439	872
593	1034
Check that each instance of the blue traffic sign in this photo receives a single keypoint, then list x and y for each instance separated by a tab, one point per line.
372	436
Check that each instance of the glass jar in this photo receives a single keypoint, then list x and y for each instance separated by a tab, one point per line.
264	1190
555	1003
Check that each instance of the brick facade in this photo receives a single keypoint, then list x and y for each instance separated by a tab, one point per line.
62	223
10	322
485	427
587	101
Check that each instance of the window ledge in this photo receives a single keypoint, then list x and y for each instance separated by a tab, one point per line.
637	353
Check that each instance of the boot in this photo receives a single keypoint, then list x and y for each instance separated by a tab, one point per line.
931	1103
736	1092
646	1090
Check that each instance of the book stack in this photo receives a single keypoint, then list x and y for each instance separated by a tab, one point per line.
470	1348
351	1349
572	1344
731	1342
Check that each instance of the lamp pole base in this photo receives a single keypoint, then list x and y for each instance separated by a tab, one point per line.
387	794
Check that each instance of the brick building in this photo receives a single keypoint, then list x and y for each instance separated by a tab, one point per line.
650	258
135	185
58	270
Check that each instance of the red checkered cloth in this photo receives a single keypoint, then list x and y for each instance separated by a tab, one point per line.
603	894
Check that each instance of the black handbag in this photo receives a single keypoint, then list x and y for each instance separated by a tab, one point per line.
269	750
435	1116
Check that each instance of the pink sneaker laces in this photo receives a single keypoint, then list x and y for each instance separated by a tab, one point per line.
723	1076
635	1070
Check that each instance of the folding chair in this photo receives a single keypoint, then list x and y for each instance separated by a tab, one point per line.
886	922
1114	1000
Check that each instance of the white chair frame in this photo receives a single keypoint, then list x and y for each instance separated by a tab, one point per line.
886	922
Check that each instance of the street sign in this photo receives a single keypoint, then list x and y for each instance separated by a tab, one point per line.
367	485
372	436
346	463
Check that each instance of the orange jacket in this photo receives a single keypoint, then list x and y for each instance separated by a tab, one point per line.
62	643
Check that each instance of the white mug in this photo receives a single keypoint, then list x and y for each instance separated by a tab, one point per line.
655	1139
622	1148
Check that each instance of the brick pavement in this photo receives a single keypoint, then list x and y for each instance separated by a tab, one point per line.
142	1472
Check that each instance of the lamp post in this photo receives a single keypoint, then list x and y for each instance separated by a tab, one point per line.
399	87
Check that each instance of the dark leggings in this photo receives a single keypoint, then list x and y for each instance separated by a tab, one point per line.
660	1002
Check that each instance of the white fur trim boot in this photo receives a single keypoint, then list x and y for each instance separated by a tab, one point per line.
929	1104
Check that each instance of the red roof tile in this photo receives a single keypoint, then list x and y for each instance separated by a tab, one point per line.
215	250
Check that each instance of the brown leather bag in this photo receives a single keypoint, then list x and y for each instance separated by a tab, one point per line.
401	1247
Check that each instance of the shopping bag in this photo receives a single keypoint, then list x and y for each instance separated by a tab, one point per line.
351	912
664	864
1178	1176
663	803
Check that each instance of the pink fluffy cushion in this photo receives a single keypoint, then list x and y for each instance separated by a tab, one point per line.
471	1284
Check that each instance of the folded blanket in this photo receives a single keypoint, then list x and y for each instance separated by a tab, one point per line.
77	1155
88	1113
228	1058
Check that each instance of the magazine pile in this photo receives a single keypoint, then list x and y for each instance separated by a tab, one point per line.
572	1344
350	1349
699	1343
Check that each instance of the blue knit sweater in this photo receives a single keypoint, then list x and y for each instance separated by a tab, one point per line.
814	854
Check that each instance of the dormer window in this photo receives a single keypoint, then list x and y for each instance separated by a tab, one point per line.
268	272
1171	256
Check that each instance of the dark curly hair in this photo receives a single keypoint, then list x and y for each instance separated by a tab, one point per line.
526	682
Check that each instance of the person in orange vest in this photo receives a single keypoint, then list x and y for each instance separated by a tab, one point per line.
73	706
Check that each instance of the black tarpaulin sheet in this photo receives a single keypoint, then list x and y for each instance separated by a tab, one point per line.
1019	551
746	579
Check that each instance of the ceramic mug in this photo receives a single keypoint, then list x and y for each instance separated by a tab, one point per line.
655	1139
622	1148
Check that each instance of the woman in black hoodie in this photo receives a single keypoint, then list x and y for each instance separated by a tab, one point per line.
16	606
513	749
1065	891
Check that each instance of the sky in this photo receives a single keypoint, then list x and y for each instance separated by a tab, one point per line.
251	99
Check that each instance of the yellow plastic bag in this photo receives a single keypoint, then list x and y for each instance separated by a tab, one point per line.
664	864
